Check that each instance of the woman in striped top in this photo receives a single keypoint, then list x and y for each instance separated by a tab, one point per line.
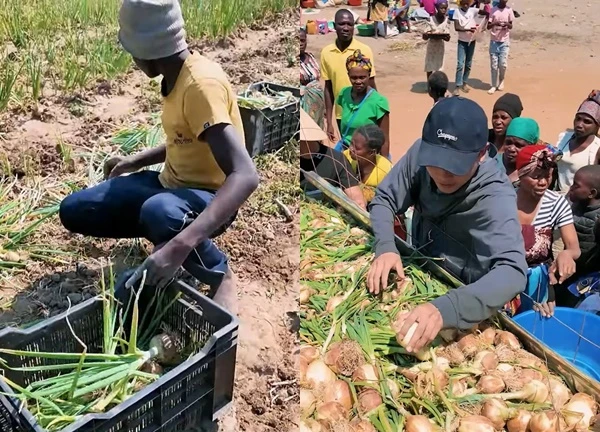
541	211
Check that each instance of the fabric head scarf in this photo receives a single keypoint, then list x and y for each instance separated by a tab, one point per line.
357	59
536	156
591	106
524	128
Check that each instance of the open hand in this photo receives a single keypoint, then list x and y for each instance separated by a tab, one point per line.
429	323
160	266
377	278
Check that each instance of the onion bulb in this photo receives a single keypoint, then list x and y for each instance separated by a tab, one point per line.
304	427
152	367
310	353
474	423
488	336
368	400
334	302
366	374
519	423
505	368
559	393
359	425
338	391
533	392
394	388
530	374
458	387
468	345
302	368
344	357
331	412
508	339
546	421
319	375
307	402
419	423
578	412
306	294
497	412
489	384
486	360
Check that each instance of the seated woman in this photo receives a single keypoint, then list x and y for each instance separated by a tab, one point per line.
326	162
581	145
365	158
521	132
507	107
361	104
312	97
540	211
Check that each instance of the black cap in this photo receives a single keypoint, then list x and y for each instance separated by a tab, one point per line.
454	134
510	104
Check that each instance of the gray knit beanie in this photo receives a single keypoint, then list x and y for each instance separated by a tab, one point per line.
151	29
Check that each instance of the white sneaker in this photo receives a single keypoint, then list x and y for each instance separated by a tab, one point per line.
492	90
501	86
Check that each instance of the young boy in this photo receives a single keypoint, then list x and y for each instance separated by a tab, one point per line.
584	195
207	173
465	24
500	24
437	86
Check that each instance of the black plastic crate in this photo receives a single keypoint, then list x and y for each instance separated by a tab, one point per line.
194	393
268	130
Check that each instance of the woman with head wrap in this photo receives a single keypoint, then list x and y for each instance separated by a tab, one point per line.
521	132
580	146
312	97
540	212
507	107
361	104
436	34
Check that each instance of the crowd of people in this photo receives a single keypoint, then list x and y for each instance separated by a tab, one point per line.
514	217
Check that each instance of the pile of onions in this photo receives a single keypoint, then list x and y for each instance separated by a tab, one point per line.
474	423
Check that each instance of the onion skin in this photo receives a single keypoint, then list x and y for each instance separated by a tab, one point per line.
333	302
497	412
458	387
366	374
468	345
508	339
307	402
559	394
419	423
362	425
520	423
331	412
332	356
486	361
302	368
489	384
544	422
579	411
310	353
488	336
368	400
394	388
339	392
533	392
305	295
319	375
473	423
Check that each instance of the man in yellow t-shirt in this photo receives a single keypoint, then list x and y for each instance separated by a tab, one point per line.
179	209
333	65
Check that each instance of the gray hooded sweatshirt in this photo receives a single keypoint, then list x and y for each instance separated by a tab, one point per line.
475	231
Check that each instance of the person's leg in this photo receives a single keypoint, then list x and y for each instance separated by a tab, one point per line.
460	65
112	208
493	66
469	52
166	214
503	51
376	23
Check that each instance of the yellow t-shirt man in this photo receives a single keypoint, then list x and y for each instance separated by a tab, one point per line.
202	97
333	67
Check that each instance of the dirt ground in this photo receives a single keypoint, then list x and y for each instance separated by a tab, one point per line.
262	243
553	65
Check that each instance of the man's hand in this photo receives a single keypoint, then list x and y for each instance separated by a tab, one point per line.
564	265
117	166
447	38
545	309
429	323
161	266
377	279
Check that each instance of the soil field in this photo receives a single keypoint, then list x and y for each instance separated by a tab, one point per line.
56	144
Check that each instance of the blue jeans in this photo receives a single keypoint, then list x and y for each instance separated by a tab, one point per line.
464	60
138	205
498	60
